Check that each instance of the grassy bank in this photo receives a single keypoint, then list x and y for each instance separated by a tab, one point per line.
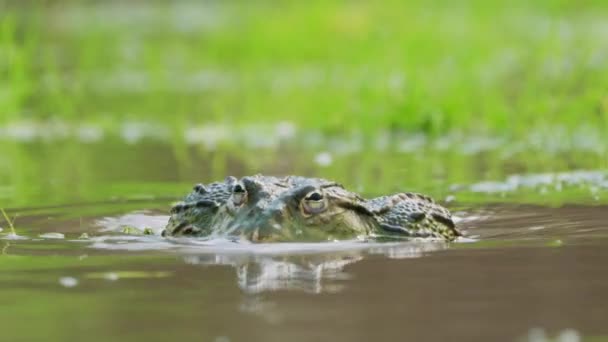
505	67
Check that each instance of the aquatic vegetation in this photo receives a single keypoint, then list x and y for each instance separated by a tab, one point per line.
413	67
8	221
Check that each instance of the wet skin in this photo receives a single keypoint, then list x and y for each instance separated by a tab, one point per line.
264	208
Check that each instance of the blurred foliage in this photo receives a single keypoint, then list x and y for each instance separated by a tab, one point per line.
431	66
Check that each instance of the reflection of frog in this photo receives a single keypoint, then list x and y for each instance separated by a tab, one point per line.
262	208
309	272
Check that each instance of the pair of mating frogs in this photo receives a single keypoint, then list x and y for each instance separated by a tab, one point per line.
264	209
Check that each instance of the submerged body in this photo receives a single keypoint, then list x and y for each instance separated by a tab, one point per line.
263	208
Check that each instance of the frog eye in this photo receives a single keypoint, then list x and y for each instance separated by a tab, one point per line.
239	194
314	202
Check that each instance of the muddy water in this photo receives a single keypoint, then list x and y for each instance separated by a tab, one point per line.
525	268
525	271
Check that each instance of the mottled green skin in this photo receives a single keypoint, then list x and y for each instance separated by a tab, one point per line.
263	208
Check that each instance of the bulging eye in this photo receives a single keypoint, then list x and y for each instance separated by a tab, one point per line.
314	203
239	194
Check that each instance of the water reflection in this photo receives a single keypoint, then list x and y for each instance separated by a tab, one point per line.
309	273
513	279
309	267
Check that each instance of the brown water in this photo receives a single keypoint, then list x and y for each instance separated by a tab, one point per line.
526	268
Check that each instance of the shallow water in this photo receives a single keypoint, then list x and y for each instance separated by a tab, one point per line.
532	265
523	267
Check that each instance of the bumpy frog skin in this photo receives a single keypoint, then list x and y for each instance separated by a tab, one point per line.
264	208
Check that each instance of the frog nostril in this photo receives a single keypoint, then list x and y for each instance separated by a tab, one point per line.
239	194
200	188
177	208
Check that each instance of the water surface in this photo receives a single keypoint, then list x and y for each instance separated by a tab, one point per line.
526	267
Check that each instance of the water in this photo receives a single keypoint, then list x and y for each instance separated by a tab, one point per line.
526	267
532	265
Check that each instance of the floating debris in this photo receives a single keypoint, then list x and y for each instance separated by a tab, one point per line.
111	276
52	236
12	236
68	281
128	275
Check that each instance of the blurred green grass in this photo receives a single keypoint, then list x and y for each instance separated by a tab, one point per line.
504	67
